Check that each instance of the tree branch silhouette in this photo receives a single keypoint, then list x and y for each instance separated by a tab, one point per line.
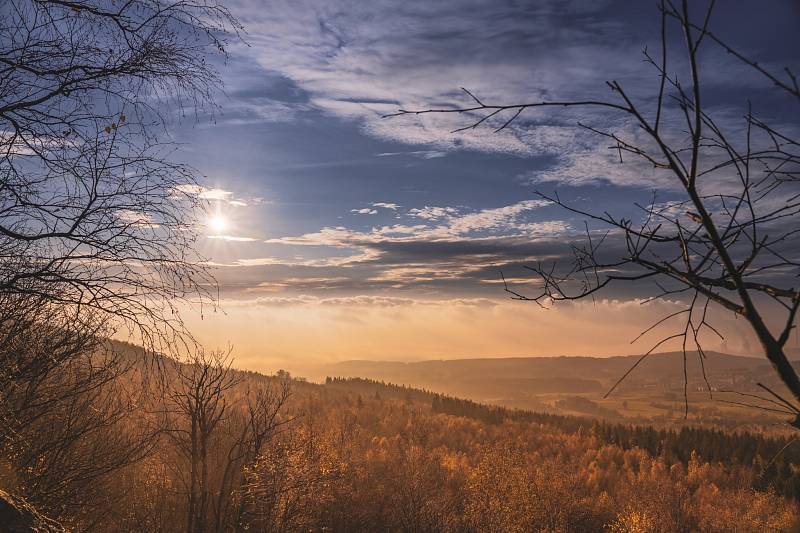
730	242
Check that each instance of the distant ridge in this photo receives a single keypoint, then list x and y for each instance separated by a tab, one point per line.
488	378
550	366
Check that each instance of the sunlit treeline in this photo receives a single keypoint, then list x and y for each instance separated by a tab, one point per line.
772	455
775	458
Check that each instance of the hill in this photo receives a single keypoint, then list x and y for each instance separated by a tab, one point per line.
569	384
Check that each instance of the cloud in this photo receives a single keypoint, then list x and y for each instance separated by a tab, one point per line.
205	193
433	213
138	218
232	238
424	154
350	62
261	110
359	300
353	62
216	194
356	63
441	223
501	217
432	250
453	249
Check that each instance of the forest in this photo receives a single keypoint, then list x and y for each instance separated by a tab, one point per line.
212	448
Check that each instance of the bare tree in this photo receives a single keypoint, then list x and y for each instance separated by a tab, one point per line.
260	416
94	214
37	340
200	400
731	242
97	223
68	409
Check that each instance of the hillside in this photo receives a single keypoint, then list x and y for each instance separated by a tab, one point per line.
567	384
675	445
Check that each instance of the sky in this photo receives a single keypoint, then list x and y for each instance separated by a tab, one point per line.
338	234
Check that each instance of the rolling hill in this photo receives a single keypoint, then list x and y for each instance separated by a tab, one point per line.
572	384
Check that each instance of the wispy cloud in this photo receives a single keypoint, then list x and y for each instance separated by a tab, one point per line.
359	300
216	194
436	249
433	213
424	154
385	205
424	52
357	64
440	223
232	238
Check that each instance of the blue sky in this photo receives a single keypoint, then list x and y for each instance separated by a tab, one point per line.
323	198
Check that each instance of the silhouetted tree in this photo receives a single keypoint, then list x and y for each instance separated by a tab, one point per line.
69	408
94	214
201	404
97	225
259	418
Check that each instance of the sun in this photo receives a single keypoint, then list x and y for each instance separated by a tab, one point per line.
217	224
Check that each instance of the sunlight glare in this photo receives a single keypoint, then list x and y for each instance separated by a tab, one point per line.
217	224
